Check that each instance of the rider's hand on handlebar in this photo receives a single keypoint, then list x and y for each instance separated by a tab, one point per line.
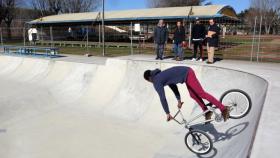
180	104
169	117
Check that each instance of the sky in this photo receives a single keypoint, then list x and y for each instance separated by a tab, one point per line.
238	5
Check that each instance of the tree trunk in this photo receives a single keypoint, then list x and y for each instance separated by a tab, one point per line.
267	29
274	30
9	31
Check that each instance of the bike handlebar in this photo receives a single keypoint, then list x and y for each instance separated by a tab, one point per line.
177	113
183	119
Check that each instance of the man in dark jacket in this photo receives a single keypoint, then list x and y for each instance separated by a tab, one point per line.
198	35
178	40
212	40
160	39
181	74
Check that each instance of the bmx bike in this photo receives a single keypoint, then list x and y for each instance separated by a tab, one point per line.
199	141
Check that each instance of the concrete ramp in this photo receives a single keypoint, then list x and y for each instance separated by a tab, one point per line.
55	109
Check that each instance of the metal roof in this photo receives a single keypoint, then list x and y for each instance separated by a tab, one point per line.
209	11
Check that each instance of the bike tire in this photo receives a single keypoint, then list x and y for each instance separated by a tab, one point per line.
237	96
198	135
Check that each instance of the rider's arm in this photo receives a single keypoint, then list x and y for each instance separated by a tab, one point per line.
175	90
160	90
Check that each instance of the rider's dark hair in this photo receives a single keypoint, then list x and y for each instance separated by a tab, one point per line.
147	74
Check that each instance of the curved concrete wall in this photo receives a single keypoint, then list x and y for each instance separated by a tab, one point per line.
64	109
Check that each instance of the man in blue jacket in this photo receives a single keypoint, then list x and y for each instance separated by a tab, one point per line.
160	39
181	74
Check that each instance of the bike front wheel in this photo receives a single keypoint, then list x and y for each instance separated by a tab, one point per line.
239	102
198	142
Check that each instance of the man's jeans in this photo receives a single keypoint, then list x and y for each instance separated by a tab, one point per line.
178	50
160	50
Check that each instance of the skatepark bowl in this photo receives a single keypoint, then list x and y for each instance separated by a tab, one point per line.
56	109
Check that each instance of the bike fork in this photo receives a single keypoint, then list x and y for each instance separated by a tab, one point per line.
195	137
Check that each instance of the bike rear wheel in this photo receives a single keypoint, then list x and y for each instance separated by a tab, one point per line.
198	142
239	101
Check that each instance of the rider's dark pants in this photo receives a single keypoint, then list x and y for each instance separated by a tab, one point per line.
197	93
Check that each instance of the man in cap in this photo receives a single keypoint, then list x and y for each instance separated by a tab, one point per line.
197	36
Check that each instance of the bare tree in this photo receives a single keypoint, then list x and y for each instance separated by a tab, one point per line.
2	11
48	7
41	5
268	9
249	17
76	6
9	14
55	6
176	3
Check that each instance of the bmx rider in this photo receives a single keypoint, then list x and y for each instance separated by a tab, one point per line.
182	74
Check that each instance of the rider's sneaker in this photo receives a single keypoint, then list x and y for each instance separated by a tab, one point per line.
225	113
208	115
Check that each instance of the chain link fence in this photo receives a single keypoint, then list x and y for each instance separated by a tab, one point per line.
238	40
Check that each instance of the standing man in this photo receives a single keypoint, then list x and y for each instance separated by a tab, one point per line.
212	40
178	40
198	35
160	39
32	35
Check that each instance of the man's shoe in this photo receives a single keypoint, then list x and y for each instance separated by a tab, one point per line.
208	62
179	59
193	59
208	115
157	58
225	113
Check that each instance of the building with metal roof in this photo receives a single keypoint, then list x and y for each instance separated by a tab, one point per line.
143	15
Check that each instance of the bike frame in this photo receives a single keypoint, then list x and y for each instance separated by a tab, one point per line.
191	122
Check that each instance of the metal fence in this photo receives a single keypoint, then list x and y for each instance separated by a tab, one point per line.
238	40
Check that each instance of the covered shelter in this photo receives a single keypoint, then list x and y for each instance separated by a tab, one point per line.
141	15
121	25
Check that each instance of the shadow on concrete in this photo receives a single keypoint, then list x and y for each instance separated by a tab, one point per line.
212	154
190	58
219	136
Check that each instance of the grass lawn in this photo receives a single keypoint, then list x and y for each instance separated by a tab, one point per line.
231	47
